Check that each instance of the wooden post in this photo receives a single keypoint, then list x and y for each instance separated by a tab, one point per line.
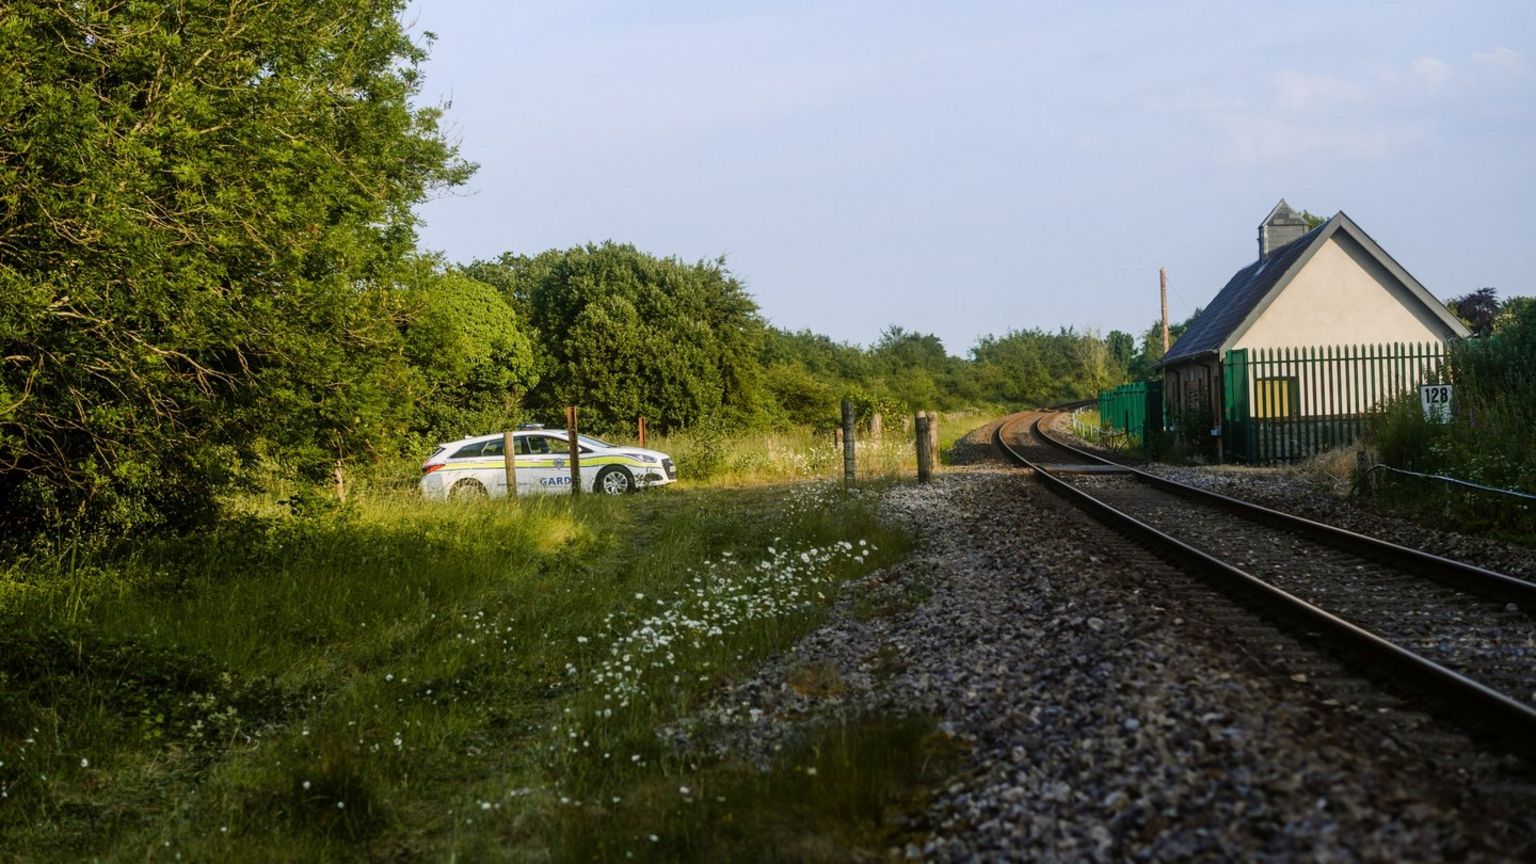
570	432
341	482
1367	477
924	449
933	434
848	441
642	431
509	463
875	424
837	437
1162	282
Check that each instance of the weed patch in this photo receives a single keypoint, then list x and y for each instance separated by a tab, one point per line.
395	678
843	793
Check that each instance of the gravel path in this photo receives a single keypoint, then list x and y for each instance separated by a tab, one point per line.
1109	717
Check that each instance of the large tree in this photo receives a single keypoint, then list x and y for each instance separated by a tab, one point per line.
1477	310
202	205
472	360
624	334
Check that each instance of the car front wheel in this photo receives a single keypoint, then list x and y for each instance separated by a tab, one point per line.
614	480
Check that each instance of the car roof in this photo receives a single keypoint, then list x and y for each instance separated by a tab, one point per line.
519	433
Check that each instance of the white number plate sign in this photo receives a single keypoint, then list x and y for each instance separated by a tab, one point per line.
1436	399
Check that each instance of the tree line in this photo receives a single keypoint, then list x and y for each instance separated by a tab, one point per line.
209	272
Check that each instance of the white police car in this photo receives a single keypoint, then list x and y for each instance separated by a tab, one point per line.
476	467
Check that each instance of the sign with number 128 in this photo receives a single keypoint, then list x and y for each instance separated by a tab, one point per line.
1436	399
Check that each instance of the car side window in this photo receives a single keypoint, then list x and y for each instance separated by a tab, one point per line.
468	450
536	445
492	448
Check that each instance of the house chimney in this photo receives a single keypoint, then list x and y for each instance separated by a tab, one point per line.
1280	227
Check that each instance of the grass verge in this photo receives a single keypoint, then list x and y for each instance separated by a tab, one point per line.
398	680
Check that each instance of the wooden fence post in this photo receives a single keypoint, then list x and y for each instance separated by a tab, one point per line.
509	463
848	441
570	432
1367	477
642	431
924	449
875	426
933	434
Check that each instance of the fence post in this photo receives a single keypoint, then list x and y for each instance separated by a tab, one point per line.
933	434
509	463
924	449
641	424
570	432
1363	470
848	451
875	424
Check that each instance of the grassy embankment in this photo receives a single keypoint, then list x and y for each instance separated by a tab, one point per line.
395	679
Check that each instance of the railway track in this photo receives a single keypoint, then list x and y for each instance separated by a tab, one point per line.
1463	635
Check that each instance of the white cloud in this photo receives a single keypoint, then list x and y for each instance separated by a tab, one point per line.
1270	138
1432	71
1305	92
1378	110
1505	61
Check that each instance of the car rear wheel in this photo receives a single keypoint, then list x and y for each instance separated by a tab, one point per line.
466	489
614	480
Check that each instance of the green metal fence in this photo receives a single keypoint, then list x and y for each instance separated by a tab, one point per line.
1286	404
1131	408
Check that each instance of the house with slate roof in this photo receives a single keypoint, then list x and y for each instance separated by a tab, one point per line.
1331	285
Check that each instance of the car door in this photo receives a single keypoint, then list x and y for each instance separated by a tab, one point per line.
539	464
492	468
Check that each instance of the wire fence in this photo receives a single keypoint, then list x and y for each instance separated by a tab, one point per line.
1513	493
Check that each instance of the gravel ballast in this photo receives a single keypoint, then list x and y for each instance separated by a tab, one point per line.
1105	715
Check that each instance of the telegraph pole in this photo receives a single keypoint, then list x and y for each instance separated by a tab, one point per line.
1162	283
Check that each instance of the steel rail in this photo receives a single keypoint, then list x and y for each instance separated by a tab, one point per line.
1513	721
1447	571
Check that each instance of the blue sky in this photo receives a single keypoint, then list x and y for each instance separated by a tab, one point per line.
973	167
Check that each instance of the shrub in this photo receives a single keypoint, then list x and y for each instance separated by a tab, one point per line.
1487	440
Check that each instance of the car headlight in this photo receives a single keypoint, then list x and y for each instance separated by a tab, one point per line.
647	458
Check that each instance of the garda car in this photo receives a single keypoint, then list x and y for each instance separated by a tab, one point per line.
476	467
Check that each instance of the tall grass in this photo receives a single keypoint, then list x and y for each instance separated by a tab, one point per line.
708	456
400	679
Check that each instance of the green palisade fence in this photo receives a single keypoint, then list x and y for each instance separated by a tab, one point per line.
1131	408
1286	404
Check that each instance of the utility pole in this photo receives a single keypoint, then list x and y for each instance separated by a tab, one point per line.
1162	283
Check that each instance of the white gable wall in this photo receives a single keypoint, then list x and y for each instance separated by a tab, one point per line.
1342	296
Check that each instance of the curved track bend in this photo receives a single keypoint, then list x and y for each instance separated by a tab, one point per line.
1461	633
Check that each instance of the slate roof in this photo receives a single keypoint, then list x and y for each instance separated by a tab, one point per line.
1242	292
1251	287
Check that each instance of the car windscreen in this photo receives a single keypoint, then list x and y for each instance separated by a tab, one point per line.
594	443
